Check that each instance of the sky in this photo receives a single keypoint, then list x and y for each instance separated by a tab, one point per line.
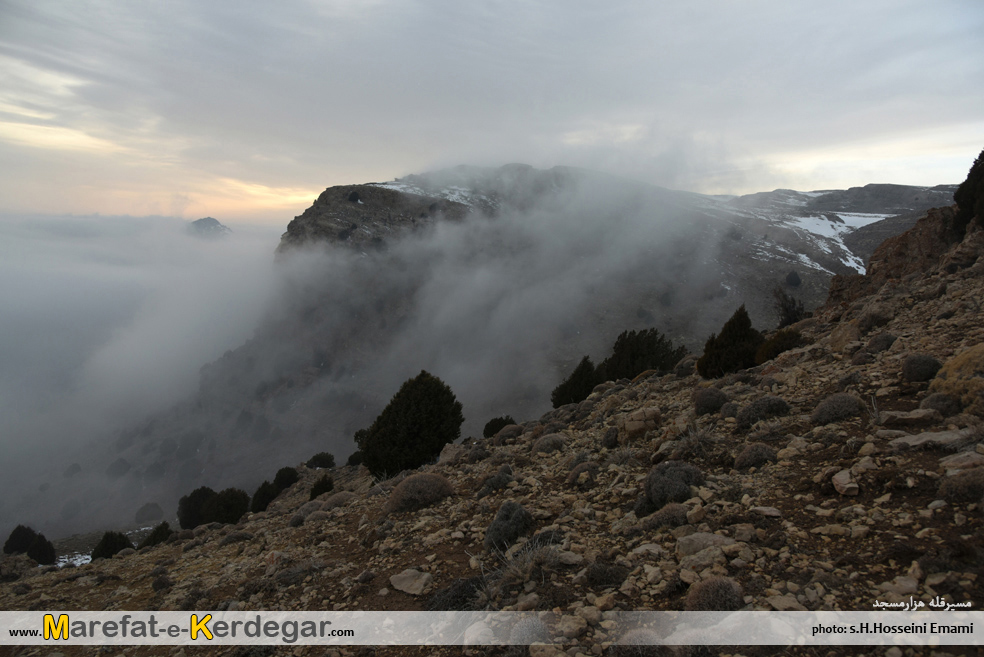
248	110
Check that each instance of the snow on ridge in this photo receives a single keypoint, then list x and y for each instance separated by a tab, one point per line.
73	559
833	232
453	193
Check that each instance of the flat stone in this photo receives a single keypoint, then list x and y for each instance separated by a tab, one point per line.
921	417
569	558
888	434
700	541
605	602
703	559
860	531
412	581
640	421
745	532
962	461
478	634
527	602
942	438
649	549
590	613
902	585
786	602
831	530
768	511
572	626
844	483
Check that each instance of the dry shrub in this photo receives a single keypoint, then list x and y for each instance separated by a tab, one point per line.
549	443
715	594
671	515
762	408
708	400
590	468
754	455
837	407
338	499
919	367
417	492
947	405
964	487
962	377
510	522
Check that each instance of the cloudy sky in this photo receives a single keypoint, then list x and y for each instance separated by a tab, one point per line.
248	110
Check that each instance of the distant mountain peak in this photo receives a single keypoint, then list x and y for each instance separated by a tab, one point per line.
208	227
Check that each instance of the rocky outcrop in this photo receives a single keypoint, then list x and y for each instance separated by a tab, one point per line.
914	252
366	216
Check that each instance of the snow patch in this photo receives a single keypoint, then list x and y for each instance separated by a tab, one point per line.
74	559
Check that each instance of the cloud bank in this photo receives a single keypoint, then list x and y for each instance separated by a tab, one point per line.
251	109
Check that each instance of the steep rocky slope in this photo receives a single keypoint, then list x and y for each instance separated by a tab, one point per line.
854	481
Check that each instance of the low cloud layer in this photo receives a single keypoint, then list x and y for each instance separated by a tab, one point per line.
112	318
106	319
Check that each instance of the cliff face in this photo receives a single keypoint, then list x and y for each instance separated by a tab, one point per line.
842	472
916	251
366	216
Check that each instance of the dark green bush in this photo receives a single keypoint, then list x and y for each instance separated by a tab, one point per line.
285	478
19	540
324	484
969	197
781	341
420	419
356	457
321	460
42	551
110	544
732	349
577	386
160	534
265	493
226	507
493	426
635	352
789	309
190	507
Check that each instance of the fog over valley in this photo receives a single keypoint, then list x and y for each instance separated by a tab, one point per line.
160	361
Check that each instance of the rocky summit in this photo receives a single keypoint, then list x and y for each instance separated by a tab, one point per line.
842	472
